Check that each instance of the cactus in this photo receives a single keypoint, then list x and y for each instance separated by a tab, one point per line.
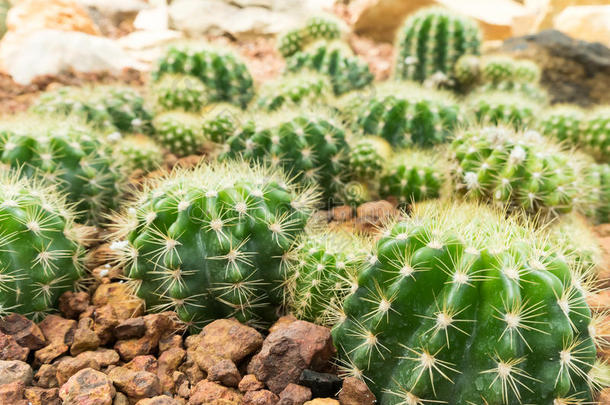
220	122
519	170
209	242
295	90
503	108
431	41
467	71
67	154
316	28
603	192
595	137
138	152
225	76
368	157
499	69
176	91
581	249
335	60
180	132
563	123
413	176
465	306
41	253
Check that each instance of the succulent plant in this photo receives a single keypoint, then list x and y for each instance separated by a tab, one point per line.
138	152
499	69
431	41
179	91
335	60
368	157
41	254
467	71
603	207
316	28
572	235
562	123
465	306
220	122
225	76
595	137
294	90
67	154
180	132
209	242
503	108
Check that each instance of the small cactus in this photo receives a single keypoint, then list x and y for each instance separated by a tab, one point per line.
176	91
503	108
603	192
138	152
368	157
180	132
316	28
295	90
562	123
220	122
595	137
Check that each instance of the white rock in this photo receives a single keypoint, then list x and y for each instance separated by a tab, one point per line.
589	23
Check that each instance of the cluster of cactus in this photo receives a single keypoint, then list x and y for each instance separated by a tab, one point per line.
305	88
67	154
138	152
179	91
464	306
315	28
244	220
503	108
226	78
431	41
41	254
179	132
345	71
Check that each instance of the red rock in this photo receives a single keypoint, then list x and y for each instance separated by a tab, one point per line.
225	372
104	357
262	397
124	303
11	350
169	361
46	376
24	331
356	392
12	393
298	346
282	322
135	384
84	337
87	387
160	400
105	320
49	353
294	394
42	396
144	363
156	326
131	328
190	368
250	383
58	330
69	366
229	339
210	393
15	370
169	341
72	304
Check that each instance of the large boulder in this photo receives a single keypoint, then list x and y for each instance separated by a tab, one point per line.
589	23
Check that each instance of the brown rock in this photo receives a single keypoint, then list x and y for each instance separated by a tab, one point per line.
104	357
99	256
105	273
105	321
15	370
262	397
182	386
225	372
11	350
169	361
58	330
250	383
355	392
130	328
69	366
296	347
322	401
84	337
604	397
146	363
342	213
130	349
124	303
24	331
599	302
120	399
160	400
230	339
191	369
157	325
46	376
87	387
42	396
135	384
170	341
294	394
374	213
71	304
210	393
282	322
12	393
49	353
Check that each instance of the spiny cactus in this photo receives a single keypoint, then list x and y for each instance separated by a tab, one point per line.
498	69
178	91
562	123
67	154
603	207
413	175
315	28
335	60
225	76
41	254
467	71
138	152
503	108
208	242
368	157
294	90
464	306
220	122
431	41
579	246
595	137
519	170
179	132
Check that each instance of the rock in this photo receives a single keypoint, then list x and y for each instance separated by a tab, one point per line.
106	321
588	23
261	397
72	304
87	387
46	377
57	329
124	303
25	332
135	384
42	396
229	339
34	15
342	213
573	71
130	328
225	372
12	393
169	361
84	337
322	401
548	9
294	394
170	341
356	392
15	370
182	386
191	369
11	350
115	11
604	396
144	363
250	383
298	346
282	322
157	325
49	353
120	399
104	357
69	366
321	384
160	400
210	393
375	213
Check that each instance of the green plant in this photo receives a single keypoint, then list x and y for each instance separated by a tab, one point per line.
41	254
220	122
603	191
178	91
466	306
563	123
225	76
499	69
67	154
431	41
209	242
294	90
315	28
180	132
503	108
138	152
572	235
595	137
368	157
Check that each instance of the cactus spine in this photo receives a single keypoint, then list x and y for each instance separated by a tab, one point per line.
179	132
294	90
175	91
316	28
138	152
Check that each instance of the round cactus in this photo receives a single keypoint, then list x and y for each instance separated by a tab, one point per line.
368	157
294	90
176	91
562	123
595	137
467	71
41	254
138	152
209	242
431	41
180	132
225	77
413	176
67	154
316	28
603	208
220	122
503	108
464	306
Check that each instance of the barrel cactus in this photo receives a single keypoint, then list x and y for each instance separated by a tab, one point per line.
177	91
138	152
465	306
562	123
498	69
595	137
40	247
179	132
209	242
294	90
503	108
368	157
431	41
316	28
577	242
603	207
220	121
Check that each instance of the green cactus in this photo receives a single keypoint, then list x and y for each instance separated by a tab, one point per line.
209	242
294	90
595	137
316	28
225	77
467	71
177	91
179	132
465	306
431	41
603	207
356	192
220	122
520	170
335	60
67	154
41	253
291	42
412	176
562	123
368	157
573	236
138	152
499	69
503	108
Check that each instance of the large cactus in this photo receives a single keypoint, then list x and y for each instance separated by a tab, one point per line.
208	242
463	307
41	254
